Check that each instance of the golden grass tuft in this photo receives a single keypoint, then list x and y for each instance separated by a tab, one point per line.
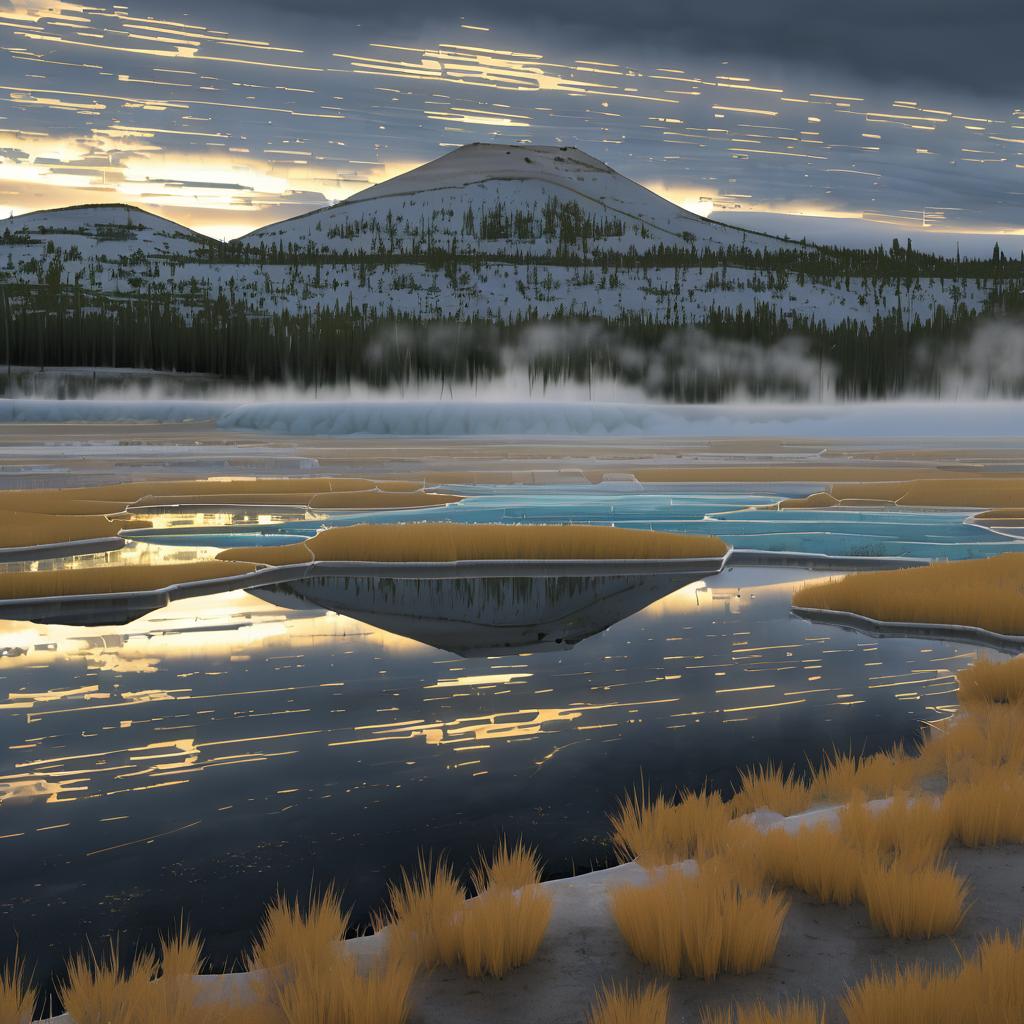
502	929
659	831
456	542
102	990
815	860
987	593
985	989
509	867
171	997
618	1004
771	787
842	776
798	1011
296	941
113	579
18	997
423	910
987	807
989	736
700	925
340	994
992	682
431	923
913	901
913	832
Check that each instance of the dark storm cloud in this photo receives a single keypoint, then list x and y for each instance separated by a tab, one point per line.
968	48
233	115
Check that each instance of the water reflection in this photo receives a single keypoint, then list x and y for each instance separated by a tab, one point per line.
223	746
479	616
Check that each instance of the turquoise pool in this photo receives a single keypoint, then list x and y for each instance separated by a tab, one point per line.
731	515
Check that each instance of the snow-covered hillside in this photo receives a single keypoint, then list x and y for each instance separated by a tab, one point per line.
501	234
539	201
110	231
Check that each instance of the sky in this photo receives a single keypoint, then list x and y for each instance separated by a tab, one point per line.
822	119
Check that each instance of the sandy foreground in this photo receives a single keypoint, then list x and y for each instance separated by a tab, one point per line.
823	949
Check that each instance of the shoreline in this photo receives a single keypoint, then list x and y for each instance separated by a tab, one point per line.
583	949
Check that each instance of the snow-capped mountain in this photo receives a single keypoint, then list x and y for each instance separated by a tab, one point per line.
104	230
539	201
486	236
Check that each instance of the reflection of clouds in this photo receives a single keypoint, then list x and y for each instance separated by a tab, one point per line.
715	595
51	791
213	627
114	661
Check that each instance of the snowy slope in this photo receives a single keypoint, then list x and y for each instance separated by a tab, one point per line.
113	231
531	224
495	199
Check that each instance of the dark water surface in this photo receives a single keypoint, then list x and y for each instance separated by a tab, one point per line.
214	751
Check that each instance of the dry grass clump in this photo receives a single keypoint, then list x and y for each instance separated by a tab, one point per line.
659	831
18	997
340	994
771	787
986	592
986	989
422	910
815	860
989	736
171	997
296	941
913	901
798	1011
841	776
456	542
617	1004
502	929
509	867
112	579
912	832
308	977
431	923
987	807
701	925
992	682
102	990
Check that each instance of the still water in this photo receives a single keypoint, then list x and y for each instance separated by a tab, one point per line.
213	751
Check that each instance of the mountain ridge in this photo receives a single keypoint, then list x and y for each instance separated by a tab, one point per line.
425	180
450	196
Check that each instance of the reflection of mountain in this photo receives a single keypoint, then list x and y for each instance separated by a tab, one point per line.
483	615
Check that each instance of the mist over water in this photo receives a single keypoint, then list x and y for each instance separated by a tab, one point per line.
574	361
